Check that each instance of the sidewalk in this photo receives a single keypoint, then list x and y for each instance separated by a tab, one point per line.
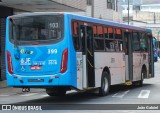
3	84
5	90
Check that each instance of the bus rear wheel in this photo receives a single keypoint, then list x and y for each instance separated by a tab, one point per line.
55	92
105	84
143	74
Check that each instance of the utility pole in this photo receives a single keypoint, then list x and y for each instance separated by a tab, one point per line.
154	17
128	12
92	9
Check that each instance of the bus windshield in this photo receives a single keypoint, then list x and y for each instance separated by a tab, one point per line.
37	28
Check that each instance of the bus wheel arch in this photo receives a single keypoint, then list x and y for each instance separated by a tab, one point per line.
105	82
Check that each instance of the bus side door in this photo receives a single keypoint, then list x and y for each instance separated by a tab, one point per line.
87	56
128	56
150	55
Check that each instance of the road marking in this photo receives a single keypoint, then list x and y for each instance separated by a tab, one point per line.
30	94
120	94
46	95
144	94
71	91
4	95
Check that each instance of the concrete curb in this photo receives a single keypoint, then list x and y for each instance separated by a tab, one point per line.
3	84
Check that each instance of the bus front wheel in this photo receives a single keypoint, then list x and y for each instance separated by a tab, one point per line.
105	84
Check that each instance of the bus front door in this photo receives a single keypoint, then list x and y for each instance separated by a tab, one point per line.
150	55
86	33
129	56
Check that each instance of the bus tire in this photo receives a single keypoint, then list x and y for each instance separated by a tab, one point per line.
55	92
105	84
143	74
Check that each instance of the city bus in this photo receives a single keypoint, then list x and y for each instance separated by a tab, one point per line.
155	49
62	51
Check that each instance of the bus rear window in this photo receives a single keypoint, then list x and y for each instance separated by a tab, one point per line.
37	28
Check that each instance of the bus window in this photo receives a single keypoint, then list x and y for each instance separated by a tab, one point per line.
98	38
110	32
75	26
53	34
95	31
37	28
105	32
100	32
119	40
143	42
135	41
118	34
11	30
110	42
75	35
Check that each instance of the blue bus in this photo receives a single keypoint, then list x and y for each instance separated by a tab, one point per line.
61	51
155	49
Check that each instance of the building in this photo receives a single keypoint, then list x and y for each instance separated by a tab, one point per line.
103	9
145	13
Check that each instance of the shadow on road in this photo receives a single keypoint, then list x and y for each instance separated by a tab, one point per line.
117	88
85	96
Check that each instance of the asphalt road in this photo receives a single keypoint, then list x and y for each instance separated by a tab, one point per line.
121	95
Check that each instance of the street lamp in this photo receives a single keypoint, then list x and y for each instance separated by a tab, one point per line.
92	12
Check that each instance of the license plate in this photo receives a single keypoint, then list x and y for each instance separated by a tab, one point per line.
36	67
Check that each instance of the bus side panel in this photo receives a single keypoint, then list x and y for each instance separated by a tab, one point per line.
9	77
137	66
116	64
140	59
72	77
80	70
145	61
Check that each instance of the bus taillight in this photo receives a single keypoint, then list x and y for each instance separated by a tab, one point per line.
9	61
64	61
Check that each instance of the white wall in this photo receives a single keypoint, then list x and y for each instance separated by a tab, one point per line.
80	4
101	11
